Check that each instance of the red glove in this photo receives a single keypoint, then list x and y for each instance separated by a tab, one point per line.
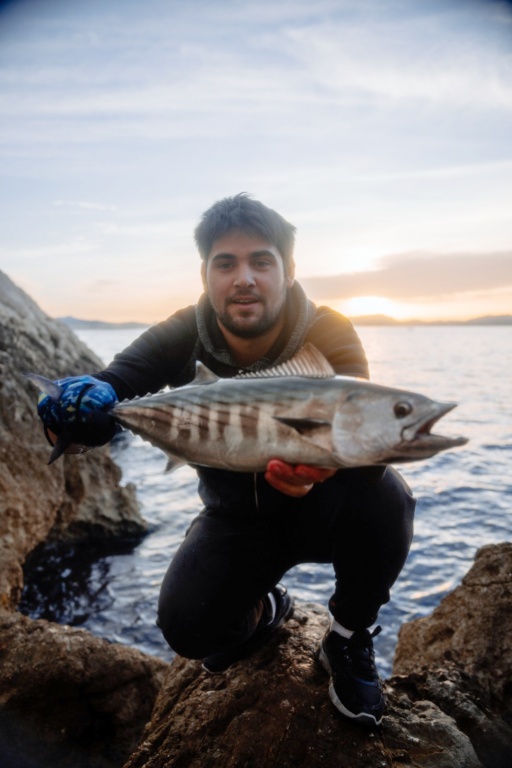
295	480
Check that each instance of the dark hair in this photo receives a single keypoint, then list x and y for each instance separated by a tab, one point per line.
242	212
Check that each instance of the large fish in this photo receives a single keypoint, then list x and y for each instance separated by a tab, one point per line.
300	412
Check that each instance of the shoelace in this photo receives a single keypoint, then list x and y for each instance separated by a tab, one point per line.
359	650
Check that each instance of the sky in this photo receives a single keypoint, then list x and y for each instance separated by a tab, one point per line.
382	129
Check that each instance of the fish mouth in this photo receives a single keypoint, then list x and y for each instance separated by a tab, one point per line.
418	439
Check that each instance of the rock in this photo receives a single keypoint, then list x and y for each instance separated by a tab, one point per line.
461	656
68	699
74	497
449	703
273	710
460	697
473	623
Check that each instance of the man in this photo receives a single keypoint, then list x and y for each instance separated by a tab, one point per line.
221	597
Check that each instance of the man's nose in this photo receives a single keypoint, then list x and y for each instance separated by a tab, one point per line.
244	276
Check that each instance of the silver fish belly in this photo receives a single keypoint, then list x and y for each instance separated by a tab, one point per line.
300	412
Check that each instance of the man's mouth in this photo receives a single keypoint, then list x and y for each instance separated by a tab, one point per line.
243	300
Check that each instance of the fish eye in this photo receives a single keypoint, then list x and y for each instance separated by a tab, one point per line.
402	410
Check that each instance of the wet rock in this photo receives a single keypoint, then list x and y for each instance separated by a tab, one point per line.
459	696
472	627
449	702
273	710
460	657
75	497
68	699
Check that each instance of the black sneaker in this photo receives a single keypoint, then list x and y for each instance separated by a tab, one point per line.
355	688
219	662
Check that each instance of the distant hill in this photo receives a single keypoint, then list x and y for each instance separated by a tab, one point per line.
385	320
491	320
375	320
78	325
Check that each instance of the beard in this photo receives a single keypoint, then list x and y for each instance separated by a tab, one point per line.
247	328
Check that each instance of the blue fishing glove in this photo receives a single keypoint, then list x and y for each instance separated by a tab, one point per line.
76	409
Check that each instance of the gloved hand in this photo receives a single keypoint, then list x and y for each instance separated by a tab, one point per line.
76	409
297	480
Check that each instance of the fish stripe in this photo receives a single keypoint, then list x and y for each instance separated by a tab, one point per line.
249	421
203	421
222	413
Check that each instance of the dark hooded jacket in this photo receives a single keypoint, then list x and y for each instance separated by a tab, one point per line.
165	355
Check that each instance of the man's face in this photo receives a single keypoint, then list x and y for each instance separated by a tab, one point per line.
246	282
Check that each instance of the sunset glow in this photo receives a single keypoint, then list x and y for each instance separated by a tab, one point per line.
371	305
380	129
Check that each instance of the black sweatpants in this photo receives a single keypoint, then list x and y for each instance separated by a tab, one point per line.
360	520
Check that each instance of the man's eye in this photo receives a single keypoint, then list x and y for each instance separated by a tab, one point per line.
262	263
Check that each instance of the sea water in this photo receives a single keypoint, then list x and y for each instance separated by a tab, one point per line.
464	496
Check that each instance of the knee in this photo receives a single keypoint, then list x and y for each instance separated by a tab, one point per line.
380	487
385	505
195	628
199	628
398	493
186	635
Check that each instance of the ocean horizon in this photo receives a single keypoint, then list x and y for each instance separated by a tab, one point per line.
78	324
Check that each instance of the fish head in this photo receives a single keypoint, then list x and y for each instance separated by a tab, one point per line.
381	425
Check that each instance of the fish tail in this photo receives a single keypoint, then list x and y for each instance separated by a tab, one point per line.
48	387
64	440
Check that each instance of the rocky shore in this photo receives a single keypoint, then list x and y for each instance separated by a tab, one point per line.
443	710
71	498
71	700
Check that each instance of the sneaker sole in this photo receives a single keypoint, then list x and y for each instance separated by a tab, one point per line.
288	613
363	718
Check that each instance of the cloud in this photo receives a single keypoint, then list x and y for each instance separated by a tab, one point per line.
335	57
417	276
101	285
135	230
377	126
452	59
84	204
39	253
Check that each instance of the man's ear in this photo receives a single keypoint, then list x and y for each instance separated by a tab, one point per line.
203	276
290	274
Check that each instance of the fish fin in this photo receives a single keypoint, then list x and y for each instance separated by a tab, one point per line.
308	362
49	387
64	440
303	426
173	462
203	374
